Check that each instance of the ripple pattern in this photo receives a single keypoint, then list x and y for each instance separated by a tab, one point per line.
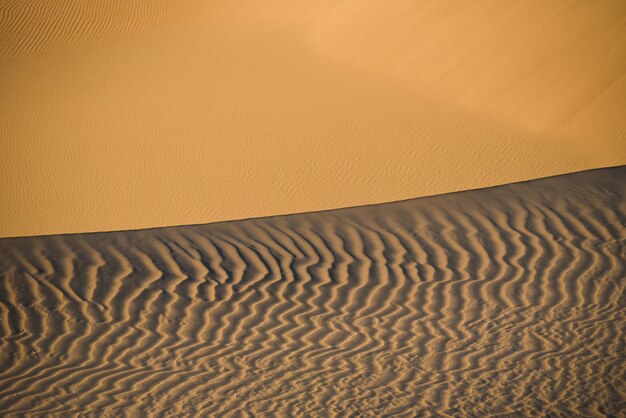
506	301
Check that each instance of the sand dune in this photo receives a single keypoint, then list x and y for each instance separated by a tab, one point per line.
130	114
506	301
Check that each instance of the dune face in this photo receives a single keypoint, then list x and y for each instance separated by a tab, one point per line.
124	114
506	301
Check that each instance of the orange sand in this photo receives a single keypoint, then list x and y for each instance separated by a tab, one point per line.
119	115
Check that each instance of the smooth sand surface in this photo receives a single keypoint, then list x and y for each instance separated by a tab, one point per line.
508	301
128	114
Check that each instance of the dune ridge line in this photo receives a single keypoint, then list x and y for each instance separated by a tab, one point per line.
507	300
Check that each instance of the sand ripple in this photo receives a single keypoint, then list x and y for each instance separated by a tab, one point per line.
506	301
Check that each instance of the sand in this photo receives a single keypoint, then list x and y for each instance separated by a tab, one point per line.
506	301
129	114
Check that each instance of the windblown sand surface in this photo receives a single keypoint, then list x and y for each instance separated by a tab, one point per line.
506	301
127	114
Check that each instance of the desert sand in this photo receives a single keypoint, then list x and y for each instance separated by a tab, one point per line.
506	301
130	114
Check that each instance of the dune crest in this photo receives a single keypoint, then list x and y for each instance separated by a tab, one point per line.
127	114
504	301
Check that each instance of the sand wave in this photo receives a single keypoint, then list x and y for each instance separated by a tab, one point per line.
504	301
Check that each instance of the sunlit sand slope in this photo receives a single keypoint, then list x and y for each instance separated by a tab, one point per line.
119	114
507	300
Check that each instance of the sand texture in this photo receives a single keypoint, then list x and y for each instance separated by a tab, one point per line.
119	115
505	301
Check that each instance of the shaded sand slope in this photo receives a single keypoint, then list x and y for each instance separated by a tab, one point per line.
120	115
507	300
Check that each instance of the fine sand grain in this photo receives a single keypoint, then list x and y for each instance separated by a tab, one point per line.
506	301
123	114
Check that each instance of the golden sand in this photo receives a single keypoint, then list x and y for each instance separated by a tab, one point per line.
126	114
